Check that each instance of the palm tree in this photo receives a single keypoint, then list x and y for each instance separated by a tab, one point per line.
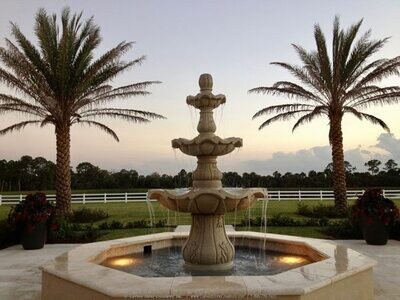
343	82
59	82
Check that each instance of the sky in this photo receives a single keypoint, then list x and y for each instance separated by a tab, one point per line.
234	41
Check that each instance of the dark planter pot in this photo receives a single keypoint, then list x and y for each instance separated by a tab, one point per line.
375	233
36	238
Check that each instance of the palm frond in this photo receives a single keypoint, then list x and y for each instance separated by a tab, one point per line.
306	119
101	127
386	69
385	98
116	115
18	126
283	117
132	112
374	120
318	111
5	108
282	108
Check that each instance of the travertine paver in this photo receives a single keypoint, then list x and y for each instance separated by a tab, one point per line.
386	272
20	277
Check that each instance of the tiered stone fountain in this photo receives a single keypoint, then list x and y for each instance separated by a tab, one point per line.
207	246
93	271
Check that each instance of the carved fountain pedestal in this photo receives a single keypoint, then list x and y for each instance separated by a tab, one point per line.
207	246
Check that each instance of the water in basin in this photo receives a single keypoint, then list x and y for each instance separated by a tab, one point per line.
168	262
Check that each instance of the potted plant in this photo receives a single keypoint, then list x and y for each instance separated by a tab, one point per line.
29	218
375	214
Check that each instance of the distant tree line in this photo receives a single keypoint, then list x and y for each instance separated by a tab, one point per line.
38	173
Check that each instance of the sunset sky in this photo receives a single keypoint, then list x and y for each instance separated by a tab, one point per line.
234	41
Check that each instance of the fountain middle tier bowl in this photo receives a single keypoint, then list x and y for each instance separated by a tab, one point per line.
207	200
207	145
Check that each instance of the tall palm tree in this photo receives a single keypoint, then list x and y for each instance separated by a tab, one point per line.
332	85
59	82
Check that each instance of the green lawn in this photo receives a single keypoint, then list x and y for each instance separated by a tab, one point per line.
125	212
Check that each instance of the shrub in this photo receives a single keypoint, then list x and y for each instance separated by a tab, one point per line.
129	225
373	206
88	215
343	229
319	211
8	235
395	233
160	223
141	224
304	209
116	225
30	212
68	232
104	226
283	220
251	222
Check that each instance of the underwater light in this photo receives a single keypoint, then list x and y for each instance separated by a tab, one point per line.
291	260
122	262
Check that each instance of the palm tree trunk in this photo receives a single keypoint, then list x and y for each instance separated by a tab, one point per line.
63	172
339	173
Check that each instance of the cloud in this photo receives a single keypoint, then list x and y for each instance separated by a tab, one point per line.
388	142
317	158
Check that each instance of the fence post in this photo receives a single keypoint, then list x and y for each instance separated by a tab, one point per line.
320	195
105	197
299	195
20	197
383	193
279	195
84	198
126	197
0	199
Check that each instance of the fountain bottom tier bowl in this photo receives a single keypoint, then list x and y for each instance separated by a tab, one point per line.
150	267
208	247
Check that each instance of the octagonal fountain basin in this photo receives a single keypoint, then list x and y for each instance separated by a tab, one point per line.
266	266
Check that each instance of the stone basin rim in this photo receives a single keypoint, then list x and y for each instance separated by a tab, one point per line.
77	266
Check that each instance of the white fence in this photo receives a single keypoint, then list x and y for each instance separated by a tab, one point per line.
323	195
140	197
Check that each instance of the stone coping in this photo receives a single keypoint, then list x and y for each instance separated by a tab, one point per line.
80	267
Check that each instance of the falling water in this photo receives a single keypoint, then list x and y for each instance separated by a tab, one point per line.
193	118
168	222
151	212
262	215
264	218
234	222
249	214
221	111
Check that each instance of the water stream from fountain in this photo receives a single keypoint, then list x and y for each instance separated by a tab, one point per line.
151	212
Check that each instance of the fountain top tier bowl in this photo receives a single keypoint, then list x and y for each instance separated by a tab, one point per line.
206	143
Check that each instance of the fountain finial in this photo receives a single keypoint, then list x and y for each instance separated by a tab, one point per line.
205	82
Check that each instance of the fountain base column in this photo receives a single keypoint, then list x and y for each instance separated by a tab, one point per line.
208	247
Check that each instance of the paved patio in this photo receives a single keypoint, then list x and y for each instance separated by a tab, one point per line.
20	277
